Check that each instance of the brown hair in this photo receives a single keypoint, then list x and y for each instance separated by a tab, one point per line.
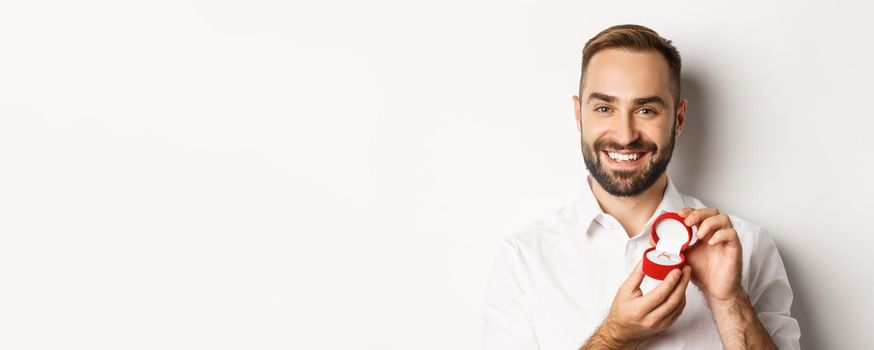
638	38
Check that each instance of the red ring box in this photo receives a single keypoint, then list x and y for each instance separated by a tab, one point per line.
672	237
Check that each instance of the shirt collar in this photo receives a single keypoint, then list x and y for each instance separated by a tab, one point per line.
588	209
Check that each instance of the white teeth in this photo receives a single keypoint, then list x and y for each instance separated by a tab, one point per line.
623	157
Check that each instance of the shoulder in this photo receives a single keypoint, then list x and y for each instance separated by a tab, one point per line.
749	233
757	245
751	236
545	231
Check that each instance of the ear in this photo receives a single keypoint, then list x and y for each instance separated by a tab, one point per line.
681	116
577	112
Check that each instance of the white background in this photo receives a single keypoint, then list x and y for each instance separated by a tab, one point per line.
330	175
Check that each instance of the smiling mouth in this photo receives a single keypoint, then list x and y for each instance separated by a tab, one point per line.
625	157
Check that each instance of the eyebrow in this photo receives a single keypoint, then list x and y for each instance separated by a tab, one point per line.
637	101
602	97
649	99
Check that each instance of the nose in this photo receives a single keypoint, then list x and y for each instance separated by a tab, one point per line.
625	131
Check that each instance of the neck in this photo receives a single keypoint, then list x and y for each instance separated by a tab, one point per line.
631	212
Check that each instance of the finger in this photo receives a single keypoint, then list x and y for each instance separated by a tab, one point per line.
684	212
675	314
678	294
726	235
700	214
632	283
658	295
712	224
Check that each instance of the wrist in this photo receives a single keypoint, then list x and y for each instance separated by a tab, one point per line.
611	336
738	325
730	312
725	299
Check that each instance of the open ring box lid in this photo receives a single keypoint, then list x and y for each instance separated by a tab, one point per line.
672	237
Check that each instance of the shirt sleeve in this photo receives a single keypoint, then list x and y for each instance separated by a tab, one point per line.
506	317
770	293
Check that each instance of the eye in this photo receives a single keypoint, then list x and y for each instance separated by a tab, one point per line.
647	111
602	109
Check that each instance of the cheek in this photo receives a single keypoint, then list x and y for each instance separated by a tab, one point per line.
658	134
593	131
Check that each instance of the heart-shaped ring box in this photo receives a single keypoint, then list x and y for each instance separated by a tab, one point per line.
672	237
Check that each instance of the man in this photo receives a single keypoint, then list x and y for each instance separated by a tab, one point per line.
571	280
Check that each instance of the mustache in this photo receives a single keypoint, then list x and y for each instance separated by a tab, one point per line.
636	145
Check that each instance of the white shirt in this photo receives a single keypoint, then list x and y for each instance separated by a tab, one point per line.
553	282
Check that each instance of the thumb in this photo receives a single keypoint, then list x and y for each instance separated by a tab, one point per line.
632	283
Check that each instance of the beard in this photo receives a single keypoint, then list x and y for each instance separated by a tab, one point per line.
628	183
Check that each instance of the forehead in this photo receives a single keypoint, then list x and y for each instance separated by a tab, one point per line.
627	74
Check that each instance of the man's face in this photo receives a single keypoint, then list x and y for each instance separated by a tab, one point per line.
626	118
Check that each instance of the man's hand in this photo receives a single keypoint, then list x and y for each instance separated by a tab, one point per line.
716	269
716	258
635	317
